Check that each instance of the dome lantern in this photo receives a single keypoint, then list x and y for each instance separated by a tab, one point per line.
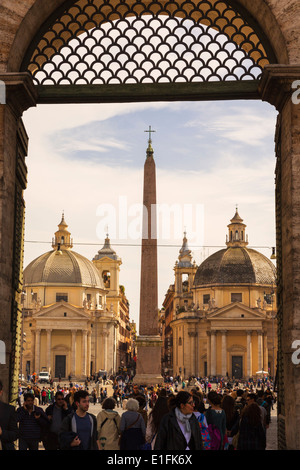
236	232
62	238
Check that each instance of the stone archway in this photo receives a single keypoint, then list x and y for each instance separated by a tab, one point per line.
26	22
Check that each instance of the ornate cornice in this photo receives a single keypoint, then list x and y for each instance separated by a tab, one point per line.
20	91
276	85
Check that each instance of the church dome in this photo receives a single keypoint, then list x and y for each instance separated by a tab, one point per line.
62	265
65	267
236	264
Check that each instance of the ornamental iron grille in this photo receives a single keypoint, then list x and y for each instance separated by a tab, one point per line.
104	42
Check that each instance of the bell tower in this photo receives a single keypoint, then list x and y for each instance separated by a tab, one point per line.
108	264
185	270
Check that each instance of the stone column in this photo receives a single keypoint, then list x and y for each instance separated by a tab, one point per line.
208	352
260	350
280	87
19	94
37	351
84	352
73	353
265	346
49	332
213	369
89	352
249	354
224	353
192	339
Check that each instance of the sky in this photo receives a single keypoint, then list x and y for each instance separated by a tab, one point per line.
87	161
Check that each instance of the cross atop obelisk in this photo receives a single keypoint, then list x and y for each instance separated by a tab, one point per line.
150	132
148	367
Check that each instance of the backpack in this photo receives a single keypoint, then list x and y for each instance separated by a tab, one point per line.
204	432
215	437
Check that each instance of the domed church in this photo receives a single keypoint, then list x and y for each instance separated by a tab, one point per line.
220	317
69	327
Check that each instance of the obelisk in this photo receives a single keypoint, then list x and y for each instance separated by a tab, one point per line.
148	364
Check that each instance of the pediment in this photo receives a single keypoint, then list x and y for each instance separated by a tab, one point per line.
237	311
61	310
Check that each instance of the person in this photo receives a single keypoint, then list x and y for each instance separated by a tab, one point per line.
216	420
240	400
108	426
44	396
142	403
155	416
33	424
265	405
8	424
179	428
94	395
199	412
56	412
232	419
78	430
132	427
251	432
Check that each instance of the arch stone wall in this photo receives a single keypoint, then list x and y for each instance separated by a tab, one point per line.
20	22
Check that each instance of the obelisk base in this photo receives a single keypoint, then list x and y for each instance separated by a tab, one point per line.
148	365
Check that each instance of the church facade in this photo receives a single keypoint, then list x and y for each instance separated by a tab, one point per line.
219	318
72	320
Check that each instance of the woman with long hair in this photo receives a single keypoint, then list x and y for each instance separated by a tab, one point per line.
159	410
232	418
179	428
216	420
252	435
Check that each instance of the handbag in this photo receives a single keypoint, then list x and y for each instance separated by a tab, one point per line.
204	432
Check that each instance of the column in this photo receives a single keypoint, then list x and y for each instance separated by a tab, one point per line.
73	353
224	353
213	369
249	354
192	338
260	349
49	332
19	95
280	87
208	353
265	361
84	352
37	351
89	352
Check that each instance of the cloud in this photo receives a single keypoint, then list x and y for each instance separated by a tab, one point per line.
242	124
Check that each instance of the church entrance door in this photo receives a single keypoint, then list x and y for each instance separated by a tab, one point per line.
237	367
60	366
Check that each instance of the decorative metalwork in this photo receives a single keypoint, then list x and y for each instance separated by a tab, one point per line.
121	42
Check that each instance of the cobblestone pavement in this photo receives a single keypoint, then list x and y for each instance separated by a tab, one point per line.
272	443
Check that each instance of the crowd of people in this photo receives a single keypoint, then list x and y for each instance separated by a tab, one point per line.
176	416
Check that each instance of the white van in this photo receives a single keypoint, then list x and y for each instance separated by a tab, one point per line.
44	376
